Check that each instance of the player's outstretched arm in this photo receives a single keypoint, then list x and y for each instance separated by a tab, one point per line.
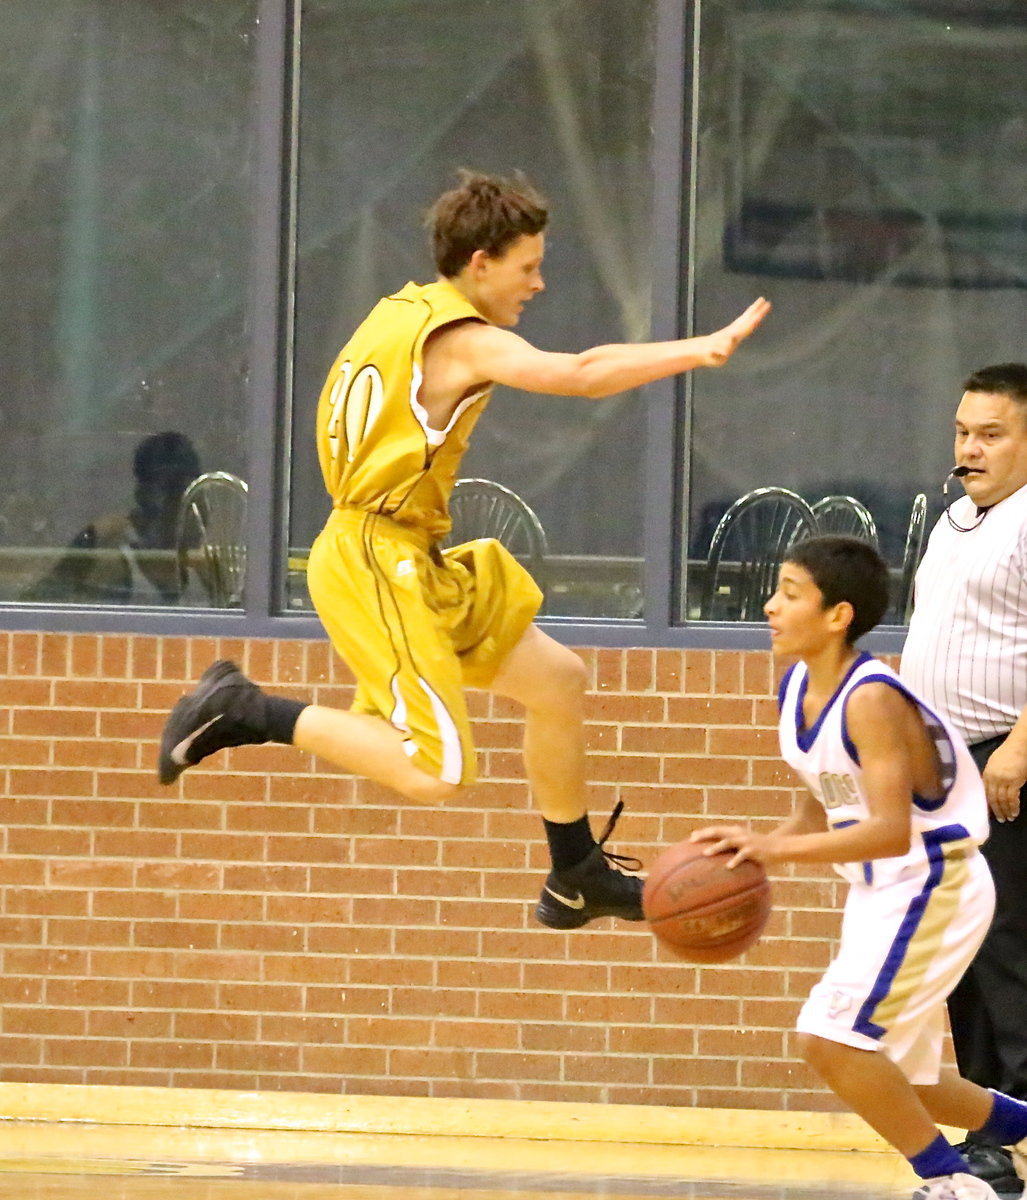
490	353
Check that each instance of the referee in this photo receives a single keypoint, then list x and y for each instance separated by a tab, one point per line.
966	655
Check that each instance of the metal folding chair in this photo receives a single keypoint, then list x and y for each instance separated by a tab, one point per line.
911	556
747	548
481	508
846	514
210	537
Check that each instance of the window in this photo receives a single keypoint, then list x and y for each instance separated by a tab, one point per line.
862	165
174	302
395	97
125	226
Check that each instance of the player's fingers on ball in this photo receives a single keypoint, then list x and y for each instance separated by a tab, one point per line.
724	846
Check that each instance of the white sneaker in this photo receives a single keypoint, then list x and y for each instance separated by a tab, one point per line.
955	1187
1019	1153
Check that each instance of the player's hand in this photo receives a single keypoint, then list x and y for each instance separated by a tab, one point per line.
759	847
1004	776
722	344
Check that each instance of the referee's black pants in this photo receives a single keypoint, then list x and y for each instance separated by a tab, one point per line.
988	1009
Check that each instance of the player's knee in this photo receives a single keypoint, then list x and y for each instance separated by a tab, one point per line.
566	676
805	1048
559	692
816	1052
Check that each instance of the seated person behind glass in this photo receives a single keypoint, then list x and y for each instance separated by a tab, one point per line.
120	571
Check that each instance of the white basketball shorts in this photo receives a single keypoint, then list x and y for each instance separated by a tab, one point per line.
904	947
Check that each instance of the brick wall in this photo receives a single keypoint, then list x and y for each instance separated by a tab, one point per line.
270	924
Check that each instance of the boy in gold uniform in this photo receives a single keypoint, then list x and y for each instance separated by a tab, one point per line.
417	625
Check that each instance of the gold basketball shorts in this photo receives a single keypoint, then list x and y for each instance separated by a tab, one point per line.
417	626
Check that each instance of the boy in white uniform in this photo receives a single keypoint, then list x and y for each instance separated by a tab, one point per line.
896	805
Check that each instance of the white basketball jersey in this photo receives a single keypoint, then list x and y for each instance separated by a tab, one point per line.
828	762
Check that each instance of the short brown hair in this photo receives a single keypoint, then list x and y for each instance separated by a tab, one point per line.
484	212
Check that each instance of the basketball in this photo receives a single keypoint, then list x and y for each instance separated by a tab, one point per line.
701	910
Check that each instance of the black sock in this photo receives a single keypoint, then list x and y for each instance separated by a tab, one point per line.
280	717
569	842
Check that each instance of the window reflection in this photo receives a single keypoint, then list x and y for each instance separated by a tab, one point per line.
562	90
125	215
864	167
129	557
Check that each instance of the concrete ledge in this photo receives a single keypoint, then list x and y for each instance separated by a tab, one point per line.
442	1117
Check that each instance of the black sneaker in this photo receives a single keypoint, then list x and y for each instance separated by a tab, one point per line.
595	887
994	1164
223	710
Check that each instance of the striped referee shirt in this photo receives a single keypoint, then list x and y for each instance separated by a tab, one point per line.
966	650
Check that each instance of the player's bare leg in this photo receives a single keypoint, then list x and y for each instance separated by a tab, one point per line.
908	1117
368	746
907	1114
956	1101
549	681
874	1087
227	709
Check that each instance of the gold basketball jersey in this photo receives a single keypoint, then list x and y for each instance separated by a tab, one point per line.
376	448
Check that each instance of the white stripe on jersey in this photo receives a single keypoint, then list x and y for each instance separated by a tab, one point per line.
828	762
435	437
966	650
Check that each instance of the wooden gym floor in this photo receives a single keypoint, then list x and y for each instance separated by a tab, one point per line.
591	1154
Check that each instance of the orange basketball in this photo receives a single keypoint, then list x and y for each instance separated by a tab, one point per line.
700	909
